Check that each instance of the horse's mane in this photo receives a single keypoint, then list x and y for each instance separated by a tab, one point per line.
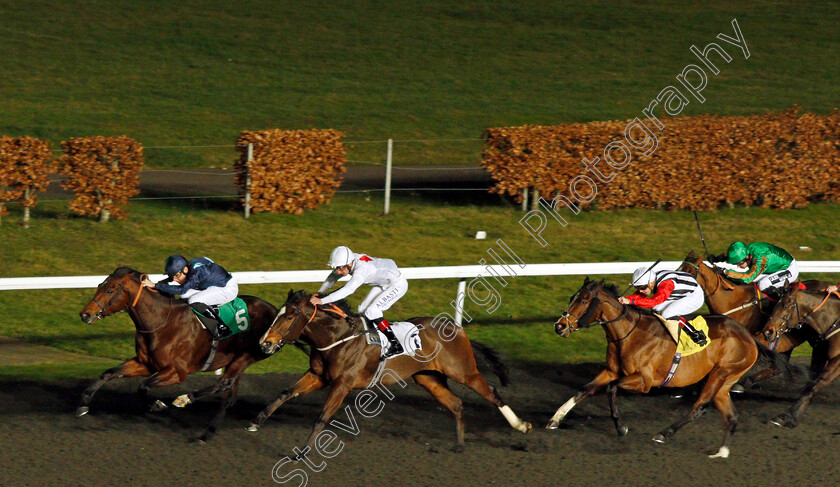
341	303
124	271
611	289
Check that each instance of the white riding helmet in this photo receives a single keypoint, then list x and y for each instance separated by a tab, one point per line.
642	277
340	256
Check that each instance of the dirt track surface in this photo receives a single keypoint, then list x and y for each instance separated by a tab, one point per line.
410	441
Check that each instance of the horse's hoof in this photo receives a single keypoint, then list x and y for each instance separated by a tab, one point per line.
525	427
552	425
82	411
458	449
660	438
737	389
181	401
158	406
722	453
201	441
622	431
253	428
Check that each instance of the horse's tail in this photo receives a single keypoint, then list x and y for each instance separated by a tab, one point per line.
492	359
793	373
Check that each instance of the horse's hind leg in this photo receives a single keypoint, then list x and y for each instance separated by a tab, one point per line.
716	380
308	383
477	383
435	383
790	418
228	400
129	368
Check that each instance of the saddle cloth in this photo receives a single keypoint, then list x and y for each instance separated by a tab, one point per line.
687	345
407	334
234	315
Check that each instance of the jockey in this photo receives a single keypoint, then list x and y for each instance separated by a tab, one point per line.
673	295
766	265
203	283
388	283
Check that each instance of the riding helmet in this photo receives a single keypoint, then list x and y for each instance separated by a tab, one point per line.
174	264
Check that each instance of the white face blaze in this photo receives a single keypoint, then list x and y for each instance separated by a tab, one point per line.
265	335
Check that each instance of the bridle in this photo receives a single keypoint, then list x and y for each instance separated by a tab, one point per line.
784	325
590	310
298	313
102	309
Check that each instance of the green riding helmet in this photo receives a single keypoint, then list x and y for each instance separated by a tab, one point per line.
736	253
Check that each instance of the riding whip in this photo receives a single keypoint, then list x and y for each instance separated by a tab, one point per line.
648	270
697	219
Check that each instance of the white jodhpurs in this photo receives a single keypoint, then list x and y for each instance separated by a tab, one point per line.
777	279
214	295
380	299
686	305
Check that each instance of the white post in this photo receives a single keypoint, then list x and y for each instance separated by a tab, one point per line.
248	179
388	160
460	297
525	198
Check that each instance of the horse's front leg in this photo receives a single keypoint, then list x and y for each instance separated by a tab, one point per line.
165	377
308	383
129	368
338	391
790	418
612	393
603	378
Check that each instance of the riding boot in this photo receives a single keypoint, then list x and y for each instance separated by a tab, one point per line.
696	335
395	348
213	324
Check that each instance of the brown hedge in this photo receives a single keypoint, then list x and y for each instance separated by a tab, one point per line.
103	172
24	165
776	160
292	170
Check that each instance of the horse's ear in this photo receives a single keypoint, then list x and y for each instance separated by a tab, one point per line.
691	255
586	280
291	292
602	281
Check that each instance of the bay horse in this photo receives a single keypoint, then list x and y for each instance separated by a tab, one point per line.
343	360
171	344
741	302
640	352
820	312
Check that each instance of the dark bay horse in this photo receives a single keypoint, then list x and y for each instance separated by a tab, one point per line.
341	359
820	312
741	302
171	344
640	353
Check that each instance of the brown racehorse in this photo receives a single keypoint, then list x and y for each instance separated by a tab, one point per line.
342	360
741	302
171	344
640	353
820	312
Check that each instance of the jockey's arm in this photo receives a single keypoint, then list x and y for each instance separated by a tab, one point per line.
751	273
663	291
328	282
356	280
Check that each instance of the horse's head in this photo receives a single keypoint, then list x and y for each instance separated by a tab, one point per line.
113	295
786	315
582	306
287	327
691	264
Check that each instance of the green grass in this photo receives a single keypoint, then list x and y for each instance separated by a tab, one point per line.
416	234
197	73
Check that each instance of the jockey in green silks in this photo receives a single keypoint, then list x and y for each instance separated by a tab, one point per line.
770	267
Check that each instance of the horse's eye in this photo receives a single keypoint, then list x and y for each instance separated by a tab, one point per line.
110	291
584	301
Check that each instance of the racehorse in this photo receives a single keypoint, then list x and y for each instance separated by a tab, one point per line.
821	313
640	353
171	344
341	359
741	302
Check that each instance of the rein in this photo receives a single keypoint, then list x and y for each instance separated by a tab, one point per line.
590	324
329	308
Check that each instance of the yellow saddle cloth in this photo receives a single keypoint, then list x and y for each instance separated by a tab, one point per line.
686	345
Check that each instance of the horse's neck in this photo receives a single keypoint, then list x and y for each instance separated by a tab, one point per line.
326	330
611	309
720	299
830	310
154	309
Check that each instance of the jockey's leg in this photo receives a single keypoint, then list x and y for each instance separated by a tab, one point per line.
382	301
697	336
207	302
675	315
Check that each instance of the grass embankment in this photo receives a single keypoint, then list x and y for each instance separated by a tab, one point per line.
197	73
414	234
